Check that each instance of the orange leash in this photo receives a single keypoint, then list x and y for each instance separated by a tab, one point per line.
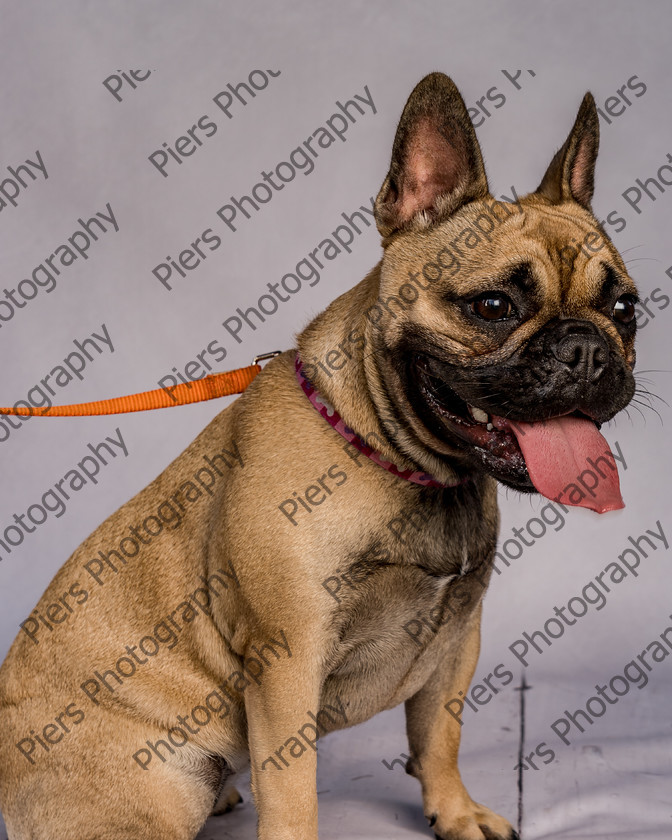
209	388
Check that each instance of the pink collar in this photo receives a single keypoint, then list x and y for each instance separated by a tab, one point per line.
336	422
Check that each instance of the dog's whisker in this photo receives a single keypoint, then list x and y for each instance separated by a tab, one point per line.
641	259
646	392
632	248
647	405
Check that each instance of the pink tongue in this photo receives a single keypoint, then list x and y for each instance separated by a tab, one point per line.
558	454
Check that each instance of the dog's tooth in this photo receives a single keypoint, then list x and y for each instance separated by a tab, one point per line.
478	415
489	427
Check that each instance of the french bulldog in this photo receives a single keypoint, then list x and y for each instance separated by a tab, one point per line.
258	594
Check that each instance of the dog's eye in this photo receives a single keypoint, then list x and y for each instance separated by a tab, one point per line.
624	310
493	306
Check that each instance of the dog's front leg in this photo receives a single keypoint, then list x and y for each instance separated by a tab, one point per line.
283	757
434	741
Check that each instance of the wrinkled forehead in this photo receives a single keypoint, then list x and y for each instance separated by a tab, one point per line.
561	249
568	252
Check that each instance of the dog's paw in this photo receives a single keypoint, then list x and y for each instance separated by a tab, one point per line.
475	822
227	801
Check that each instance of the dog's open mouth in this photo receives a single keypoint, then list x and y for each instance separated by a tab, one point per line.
492	437
544	455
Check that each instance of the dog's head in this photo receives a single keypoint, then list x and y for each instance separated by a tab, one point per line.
503	332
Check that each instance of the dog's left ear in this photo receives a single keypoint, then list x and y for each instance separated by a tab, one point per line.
571	174
436	160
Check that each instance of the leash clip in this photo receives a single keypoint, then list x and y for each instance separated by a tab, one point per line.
263	357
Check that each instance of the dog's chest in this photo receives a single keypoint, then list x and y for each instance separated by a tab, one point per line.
404	610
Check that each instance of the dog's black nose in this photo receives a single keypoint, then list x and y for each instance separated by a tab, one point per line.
579	345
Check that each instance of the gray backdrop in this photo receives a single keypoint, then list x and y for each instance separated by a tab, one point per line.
55	60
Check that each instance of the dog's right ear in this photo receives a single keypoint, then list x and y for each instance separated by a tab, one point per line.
436	160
